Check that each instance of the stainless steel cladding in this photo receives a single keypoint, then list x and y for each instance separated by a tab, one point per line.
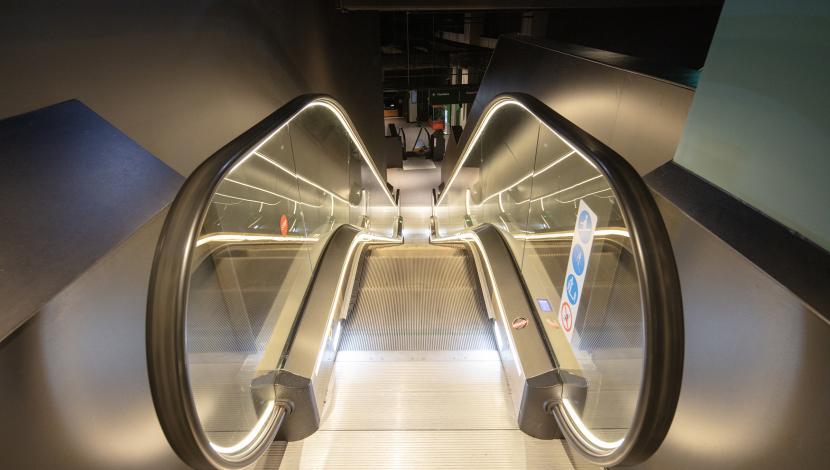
241	316
594	256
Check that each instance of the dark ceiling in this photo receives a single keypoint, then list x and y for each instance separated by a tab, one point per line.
415	55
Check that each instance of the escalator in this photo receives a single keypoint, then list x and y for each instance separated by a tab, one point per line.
418	380
290	325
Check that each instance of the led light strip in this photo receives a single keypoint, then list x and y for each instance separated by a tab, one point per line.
359	144
244	199
580	197
470	238
480	130
342	119
541	198
583	429
471	144
232	237
467	200
256	431
267	192
303	179
529	175
555	235
251	436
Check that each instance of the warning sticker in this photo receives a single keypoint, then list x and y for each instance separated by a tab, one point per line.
566	319
586	223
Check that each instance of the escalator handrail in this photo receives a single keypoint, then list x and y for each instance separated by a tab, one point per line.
169	285
656	270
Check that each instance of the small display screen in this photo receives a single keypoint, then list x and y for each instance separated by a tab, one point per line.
544	304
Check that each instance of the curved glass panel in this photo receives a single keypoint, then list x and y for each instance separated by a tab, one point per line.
578	258
248	276
264	230
564	225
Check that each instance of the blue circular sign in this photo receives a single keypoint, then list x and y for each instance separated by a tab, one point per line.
583	226
571	289
578	260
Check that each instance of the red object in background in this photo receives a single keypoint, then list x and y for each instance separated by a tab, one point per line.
283	225
437	125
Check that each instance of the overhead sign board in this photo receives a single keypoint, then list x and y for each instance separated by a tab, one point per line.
452	95
468	95
443	96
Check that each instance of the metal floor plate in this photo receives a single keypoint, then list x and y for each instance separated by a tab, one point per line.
438	449
423	414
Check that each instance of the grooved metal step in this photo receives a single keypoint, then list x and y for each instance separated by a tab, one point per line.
422	298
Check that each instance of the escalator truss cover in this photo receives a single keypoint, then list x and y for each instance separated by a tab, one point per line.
185	239
653	264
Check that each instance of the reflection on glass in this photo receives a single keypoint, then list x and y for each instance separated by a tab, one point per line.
524	179
262	235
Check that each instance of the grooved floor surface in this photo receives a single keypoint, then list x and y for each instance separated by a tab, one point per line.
393	414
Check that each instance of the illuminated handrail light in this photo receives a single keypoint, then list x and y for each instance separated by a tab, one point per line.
364	154
240	237
583	429
470	238
303	179
541	198
579	197
527	176
244	199
266	421
479	130
556	235
267	192
246	441
359	144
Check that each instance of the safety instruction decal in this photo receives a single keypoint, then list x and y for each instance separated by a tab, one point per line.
586	223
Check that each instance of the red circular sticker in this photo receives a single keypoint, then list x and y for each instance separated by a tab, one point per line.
284	224
519	323
566	319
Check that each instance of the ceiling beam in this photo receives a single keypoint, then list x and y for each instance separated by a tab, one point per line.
523	5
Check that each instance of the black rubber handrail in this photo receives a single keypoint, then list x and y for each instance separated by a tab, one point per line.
659	289
168	294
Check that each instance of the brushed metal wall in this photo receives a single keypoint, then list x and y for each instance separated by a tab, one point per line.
755	376
73	380
639	116
71	188
183	78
